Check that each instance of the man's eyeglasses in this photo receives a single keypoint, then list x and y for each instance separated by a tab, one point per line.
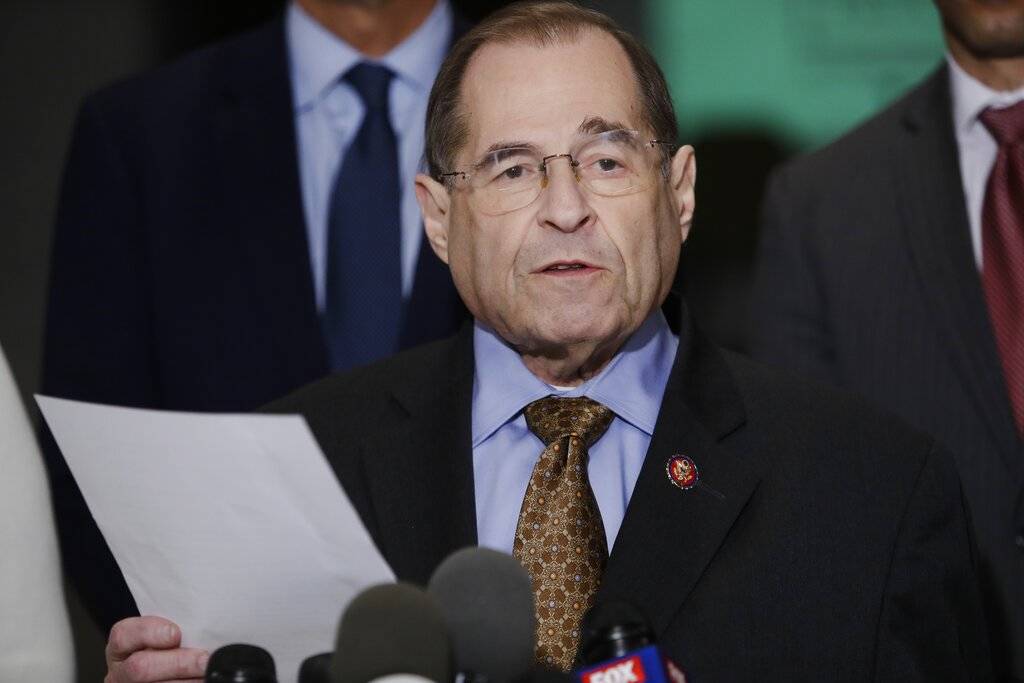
609	164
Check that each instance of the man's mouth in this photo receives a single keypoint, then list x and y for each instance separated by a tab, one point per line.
568	268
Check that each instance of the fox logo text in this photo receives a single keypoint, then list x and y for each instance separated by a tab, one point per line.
628	671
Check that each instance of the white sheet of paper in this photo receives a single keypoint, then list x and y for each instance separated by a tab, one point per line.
232	526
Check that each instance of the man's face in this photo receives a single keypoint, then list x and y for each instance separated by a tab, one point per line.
988	29
622	251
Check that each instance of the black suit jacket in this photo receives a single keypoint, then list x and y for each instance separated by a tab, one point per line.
181	275
825	541
867	279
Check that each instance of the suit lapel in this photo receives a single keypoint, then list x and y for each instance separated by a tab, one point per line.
262	199
936	222
668	535
427	456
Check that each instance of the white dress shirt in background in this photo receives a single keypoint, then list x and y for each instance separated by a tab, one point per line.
328	113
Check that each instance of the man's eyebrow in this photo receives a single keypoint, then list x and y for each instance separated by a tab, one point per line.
492	153
506	144
598	124
590	125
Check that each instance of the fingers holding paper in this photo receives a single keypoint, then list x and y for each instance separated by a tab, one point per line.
148	650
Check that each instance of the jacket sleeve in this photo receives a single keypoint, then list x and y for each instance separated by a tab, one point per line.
99	340
789	326
35	635
931	626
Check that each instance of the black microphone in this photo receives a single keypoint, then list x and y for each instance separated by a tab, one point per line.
487	601
611	630
544	675
618	646
316	668
392	631
240	663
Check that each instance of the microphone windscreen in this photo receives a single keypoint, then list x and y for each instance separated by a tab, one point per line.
487	601
545	675
240	663
610	629
316	669
391	629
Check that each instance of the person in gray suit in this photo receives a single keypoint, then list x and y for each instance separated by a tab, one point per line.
892	263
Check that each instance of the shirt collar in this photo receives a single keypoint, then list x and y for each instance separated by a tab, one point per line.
318	57
971	97
631	385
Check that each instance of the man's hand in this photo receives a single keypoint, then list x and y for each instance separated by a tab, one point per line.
147	650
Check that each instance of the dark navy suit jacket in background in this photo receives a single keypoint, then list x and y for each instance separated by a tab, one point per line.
181	276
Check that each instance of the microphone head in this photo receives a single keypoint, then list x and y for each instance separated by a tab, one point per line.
316	668
612	629
545	675
391	629
487	601
240	663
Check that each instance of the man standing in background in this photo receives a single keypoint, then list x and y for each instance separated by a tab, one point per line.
892	263
241	222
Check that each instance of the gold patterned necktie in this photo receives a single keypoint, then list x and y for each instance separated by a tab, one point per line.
560	537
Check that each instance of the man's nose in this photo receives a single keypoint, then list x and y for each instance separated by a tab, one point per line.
564	204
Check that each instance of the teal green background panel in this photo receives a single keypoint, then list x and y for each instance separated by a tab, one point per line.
801	70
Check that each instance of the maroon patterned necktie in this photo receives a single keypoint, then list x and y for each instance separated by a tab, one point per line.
1002	245
560	537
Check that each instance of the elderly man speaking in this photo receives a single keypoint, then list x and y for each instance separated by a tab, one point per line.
767	528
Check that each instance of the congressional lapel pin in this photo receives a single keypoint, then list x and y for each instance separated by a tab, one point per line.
682	472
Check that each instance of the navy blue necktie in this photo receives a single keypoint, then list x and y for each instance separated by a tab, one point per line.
364	274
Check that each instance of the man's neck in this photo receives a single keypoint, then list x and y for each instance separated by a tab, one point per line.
997	74
570	366
373	28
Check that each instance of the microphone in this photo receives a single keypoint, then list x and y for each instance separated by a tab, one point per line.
487	601
240	663
544	675
316	668
392	631
618	646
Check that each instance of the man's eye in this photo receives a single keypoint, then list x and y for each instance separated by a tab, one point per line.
608	165
513	172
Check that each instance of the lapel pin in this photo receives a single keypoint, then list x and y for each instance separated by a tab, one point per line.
682	472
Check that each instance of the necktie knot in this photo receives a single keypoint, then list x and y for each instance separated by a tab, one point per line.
371	81
1006	125
555	417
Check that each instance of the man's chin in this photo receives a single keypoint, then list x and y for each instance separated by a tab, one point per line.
560	331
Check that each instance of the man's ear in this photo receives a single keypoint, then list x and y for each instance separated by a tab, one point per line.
435	206
683	180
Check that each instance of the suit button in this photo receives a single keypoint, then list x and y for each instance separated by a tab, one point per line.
1019	541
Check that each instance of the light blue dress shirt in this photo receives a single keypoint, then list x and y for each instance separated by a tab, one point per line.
505	450
328	113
